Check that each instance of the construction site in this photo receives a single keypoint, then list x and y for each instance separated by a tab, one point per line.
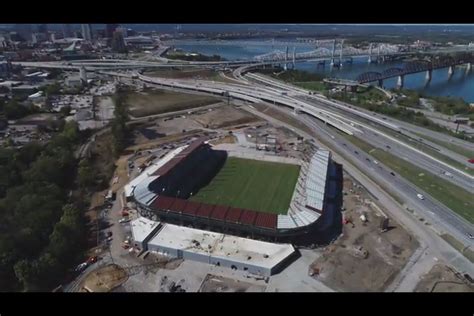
367	256
371	251
443	278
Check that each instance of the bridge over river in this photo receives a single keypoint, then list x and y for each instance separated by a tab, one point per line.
436	62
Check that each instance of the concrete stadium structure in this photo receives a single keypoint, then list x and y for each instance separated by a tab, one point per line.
162	190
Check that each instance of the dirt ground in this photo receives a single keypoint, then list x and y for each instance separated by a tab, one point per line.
143	144
363	258
276	139
120	177
283	117
104	279
102	156
162	101
224	116
228	139
442	278
213	283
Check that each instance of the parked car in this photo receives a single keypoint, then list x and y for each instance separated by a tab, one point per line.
81	267
92	260
124	220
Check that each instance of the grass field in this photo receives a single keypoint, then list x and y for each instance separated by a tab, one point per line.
457	149
312	85
162	101
256	185
451	195
468	253
429	150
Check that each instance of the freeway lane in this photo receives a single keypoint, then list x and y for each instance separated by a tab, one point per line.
459	176
381	119
345	122
432	210
437	214
435	246
427	164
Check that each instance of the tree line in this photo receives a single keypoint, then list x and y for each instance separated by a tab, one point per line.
42	227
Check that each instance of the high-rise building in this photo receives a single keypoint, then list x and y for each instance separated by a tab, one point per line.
110	29
83	75
118	43
86	32
122	30
24	30
67	30
43	28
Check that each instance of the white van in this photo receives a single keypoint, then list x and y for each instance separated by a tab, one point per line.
420	196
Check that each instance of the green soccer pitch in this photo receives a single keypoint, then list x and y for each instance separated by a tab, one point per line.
251	184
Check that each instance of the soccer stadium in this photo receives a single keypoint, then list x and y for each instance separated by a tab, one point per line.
202	187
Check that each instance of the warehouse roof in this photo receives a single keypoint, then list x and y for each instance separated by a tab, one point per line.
142	228
242	250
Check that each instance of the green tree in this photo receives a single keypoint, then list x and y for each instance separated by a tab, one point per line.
86	176
45	169
13	110
65	110
26	273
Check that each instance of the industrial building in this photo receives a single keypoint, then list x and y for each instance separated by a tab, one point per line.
252	256
162	190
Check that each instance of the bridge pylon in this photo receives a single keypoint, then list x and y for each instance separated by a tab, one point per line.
429	74
294	56
333	52
370	54
400	81
450	71
340	53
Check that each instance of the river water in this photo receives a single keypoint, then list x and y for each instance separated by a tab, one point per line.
461	84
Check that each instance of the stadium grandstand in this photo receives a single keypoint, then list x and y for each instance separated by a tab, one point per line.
162	191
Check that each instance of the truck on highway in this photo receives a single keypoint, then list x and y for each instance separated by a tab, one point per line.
420	196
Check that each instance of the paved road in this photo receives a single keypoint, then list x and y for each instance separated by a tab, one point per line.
432	245
432	210
348	115
412	152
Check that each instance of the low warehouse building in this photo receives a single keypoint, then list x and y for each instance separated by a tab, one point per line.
142	230
255	257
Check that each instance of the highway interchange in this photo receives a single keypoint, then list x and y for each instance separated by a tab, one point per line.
439	215
315	110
